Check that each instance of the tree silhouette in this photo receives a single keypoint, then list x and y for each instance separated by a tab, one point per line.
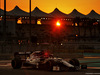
34	39
90	26
77	20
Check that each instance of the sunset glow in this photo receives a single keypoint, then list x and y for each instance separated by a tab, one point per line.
58	23
66	6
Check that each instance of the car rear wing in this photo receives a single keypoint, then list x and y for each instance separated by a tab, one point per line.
22	53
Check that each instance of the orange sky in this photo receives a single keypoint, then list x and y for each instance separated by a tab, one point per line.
66	6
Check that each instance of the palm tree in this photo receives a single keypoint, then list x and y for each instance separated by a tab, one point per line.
77	20
85	20
91	27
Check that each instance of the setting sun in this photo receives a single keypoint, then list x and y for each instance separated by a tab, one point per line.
58	23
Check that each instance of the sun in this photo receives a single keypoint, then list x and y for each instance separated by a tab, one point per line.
58	23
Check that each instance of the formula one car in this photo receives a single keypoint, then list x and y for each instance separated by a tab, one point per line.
43	60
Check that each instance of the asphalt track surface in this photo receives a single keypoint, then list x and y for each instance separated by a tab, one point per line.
6	69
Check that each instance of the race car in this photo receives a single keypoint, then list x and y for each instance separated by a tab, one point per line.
43	60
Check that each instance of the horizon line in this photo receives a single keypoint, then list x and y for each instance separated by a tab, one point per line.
51	11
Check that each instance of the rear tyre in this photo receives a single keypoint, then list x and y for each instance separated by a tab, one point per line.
49	65
16	63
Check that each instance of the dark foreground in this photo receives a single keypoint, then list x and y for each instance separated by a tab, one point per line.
93	69
8	70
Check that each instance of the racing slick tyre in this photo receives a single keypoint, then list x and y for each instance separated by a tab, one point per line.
75	63
49	65
16	63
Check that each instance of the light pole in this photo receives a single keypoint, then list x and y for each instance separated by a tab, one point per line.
4	26
30	10
30	18
30	24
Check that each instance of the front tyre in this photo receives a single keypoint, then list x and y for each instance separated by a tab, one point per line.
49	65
75	63
16	63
